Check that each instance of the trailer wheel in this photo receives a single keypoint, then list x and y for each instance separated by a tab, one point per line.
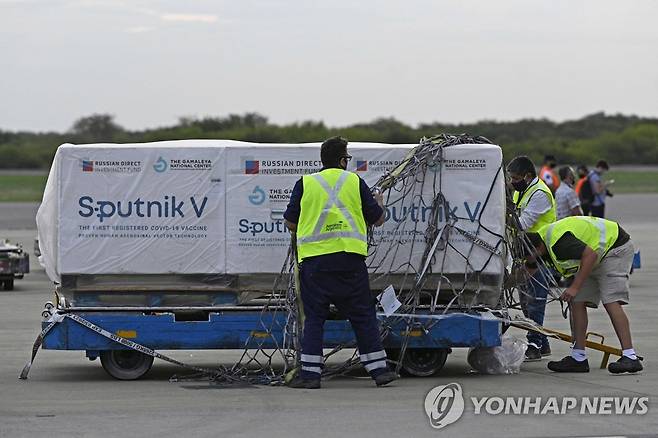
9	284
126	364
422	362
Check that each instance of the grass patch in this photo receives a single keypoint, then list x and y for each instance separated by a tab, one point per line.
22	188
29	188
633	181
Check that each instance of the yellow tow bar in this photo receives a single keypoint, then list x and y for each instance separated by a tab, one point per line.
600	346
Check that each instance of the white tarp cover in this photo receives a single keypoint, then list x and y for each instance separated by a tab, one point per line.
216	206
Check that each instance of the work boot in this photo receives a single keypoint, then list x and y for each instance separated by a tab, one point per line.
625	365
300	383
385	378
545	350
532	354
569	365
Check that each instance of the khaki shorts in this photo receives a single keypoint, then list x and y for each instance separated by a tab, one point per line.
609	281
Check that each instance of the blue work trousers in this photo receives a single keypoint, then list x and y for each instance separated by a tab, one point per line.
534	307
349	291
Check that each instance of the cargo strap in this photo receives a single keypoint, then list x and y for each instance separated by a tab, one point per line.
58	317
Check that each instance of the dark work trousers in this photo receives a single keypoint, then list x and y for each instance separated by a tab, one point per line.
598	210
534	307
349	290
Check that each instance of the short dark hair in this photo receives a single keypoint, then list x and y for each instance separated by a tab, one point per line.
531	250
548	158
522	165
535	239
565	171
332	150
603	164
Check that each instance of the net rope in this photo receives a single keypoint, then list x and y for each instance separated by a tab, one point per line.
413	255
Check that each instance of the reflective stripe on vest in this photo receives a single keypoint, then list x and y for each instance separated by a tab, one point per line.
544	219
598	234
314	235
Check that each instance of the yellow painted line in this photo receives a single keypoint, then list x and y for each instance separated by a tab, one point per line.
260	334
413	333
128	334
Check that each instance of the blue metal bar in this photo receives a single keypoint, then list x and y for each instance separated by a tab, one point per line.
232	330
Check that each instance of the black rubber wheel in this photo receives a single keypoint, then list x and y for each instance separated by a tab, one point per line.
126	364
424	362
9	284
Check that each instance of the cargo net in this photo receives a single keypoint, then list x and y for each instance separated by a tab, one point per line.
412	256
415	255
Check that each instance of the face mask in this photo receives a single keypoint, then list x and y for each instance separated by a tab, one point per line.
520	186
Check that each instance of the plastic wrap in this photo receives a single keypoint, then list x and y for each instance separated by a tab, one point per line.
504	359
216	206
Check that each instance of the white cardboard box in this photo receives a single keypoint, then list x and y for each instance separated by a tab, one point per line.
216	206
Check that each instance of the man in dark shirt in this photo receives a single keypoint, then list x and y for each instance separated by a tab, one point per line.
330	216
600	253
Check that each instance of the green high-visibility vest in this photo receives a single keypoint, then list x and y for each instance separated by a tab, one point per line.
546	218
331	218
599	234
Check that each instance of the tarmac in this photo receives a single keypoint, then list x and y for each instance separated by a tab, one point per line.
67	395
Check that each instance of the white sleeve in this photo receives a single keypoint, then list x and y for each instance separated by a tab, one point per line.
573	200
537	205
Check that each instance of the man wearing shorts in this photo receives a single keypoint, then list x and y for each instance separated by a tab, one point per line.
600	255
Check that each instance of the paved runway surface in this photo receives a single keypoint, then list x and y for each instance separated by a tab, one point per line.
67	395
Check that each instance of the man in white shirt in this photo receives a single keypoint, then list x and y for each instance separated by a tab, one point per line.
536	207
566	199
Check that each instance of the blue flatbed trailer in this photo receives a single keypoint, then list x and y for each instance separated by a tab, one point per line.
429	337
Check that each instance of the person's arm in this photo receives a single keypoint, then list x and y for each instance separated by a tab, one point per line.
380	201
372	206
537	205
569	247
291	225
597	186
574	204
587	262
294	209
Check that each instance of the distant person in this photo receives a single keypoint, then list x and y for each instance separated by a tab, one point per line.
585	198
599	188
566	200
599	254
536	208
548	174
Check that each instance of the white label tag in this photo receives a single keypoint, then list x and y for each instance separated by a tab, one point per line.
389	301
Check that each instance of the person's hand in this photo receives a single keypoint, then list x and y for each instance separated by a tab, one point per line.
379	198
569	294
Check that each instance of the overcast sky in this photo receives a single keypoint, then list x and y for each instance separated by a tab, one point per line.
150	62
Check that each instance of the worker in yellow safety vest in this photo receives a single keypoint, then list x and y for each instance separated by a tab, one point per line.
536	207
329	212
598	253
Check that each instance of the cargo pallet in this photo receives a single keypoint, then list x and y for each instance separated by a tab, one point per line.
428	345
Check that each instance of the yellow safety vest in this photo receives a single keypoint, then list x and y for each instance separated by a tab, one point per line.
331	218
549	217
599	234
